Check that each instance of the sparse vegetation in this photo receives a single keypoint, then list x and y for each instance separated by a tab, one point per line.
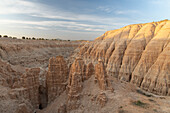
122	111
140	104
14	37
23	37
151	100
5	36
121	107
0	36
155	110
143	93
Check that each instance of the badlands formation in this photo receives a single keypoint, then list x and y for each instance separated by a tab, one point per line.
123	71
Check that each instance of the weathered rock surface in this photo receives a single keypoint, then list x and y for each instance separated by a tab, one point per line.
56	78
62	109
8	76
100	75
76	77
102	99
89	70
30	86
136	53
34	53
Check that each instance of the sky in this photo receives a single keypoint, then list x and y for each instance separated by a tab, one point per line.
76	19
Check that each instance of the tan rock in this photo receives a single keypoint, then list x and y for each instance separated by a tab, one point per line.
131	53
100	75
76	78
22	108
102	99
89	70
56	78
30	84
62	109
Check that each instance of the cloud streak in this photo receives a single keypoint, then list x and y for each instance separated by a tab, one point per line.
71	20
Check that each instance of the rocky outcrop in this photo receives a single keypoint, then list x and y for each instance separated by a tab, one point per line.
56	78
34	53
133	53
8	76
22	108
30	86
62	109
102	99
76	77
100	75
89	70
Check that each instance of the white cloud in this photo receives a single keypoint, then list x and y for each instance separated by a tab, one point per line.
44	25
76	21
126	11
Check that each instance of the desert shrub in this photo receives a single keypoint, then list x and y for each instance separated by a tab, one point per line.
0	36
143	93
14	37
151	100
23	37
122	111
33	38
140	104
5	36
155	110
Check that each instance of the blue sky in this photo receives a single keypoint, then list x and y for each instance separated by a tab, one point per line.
76	19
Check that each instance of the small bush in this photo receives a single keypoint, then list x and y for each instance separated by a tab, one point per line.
14	37
33	38
139	103
0	36
122	111
155	110
5	36
143	93
151	100
23	37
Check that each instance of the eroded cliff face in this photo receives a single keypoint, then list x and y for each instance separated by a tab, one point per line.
76	77
136	53
29	86
57	77
100	75
21	89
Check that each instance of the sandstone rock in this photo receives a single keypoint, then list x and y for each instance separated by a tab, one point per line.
76	78
8	76
22	108
100	75
56	78
89	70
62	109
102	99
131	53
30	86
43	97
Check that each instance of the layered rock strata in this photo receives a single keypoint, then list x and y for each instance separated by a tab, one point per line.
136	53
76	77
100	75
56	78
30	86
89	70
